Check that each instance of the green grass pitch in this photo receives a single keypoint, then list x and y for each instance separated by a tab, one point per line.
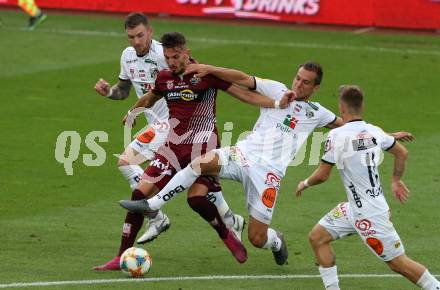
55	227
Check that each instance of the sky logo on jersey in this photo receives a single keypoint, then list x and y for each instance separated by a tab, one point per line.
290	121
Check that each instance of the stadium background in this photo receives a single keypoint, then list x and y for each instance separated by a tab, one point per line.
55	227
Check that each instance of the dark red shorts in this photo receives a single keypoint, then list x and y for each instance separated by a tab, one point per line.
172	158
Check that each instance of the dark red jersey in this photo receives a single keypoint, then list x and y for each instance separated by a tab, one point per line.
191	101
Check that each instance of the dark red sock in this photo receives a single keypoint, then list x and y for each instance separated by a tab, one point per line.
208	212
132	225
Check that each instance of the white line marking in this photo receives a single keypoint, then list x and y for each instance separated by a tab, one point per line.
190	278
245	42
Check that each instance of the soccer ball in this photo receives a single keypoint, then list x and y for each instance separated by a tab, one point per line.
135	262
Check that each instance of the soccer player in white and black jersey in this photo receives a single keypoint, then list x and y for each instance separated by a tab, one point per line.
356	149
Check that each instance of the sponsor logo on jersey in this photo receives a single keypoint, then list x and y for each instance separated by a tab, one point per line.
194	80
147	60
355	195
131	61
269	197
188	95
170	84
397	245
173	192
154	71
147	136
364	141
376	245
158	164
309	113
363	225
313	106
270	194
290	121
288	124
272	180
298	108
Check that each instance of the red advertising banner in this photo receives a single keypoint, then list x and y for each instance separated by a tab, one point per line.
416	14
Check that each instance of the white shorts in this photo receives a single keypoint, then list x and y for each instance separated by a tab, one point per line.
149	141
260	185
377	232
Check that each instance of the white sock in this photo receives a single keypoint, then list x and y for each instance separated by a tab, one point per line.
273	242
428	282
158	216
180	182
222	206
132	173
330	277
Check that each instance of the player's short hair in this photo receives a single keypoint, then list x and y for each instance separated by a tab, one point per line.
314	67
134	19
172	40
352	96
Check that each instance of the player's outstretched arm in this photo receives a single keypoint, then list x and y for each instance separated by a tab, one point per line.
259	100
120	91
399	188
230	75
321	174
338	122
402	136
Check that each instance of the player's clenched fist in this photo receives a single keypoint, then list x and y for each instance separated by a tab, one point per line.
103	87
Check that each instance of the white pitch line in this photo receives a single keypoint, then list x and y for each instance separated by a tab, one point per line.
244	42
189	278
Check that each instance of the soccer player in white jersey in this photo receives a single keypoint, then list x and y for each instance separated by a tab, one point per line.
140	65
356	149
260	161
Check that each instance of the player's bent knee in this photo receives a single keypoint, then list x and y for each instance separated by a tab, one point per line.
398	265
318	236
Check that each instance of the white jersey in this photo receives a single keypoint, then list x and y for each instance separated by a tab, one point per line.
279	134
142	72
357	150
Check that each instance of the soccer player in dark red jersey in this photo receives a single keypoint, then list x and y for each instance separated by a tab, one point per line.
191	102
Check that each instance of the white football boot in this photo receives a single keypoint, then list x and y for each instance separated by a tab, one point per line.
156	226
238	226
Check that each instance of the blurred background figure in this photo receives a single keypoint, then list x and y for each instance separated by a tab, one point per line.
37	16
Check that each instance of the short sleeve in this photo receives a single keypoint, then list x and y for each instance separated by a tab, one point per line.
123	75
326	117
388	141
216	83
329	150
269	88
